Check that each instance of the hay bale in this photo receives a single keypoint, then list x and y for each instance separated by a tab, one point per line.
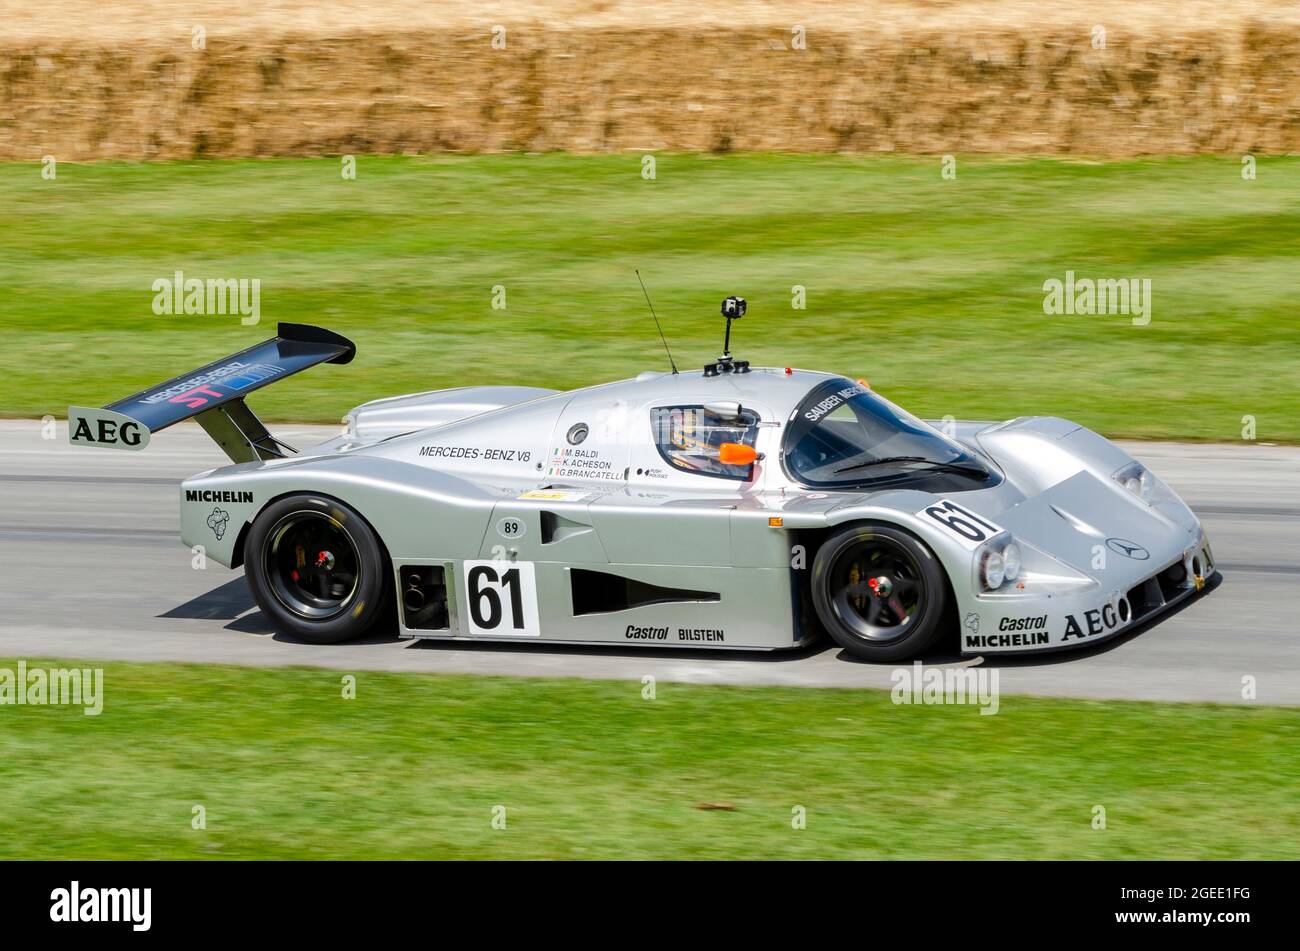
985	84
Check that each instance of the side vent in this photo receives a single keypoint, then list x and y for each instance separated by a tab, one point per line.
556	528
598	592
424	597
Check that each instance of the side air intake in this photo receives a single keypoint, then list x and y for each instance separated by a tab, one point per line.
599	592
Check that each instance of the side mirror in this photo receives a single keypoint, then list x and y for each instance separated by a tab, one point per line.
736	454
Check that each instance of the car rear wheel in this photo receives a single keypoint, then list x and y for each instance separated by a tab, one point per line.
879	592
316	569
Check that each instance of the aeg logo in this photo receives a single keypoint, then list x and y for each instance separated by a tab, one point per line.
103	427
1098	621
107	431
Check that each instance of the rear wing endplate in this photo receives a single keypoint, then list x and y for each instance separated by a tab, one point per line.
214	396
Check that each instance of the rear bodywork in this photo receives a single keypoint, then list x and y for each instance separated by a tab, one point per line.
523	514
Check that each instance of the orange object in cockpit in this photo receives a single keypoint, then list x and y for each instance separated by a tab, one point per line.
736	454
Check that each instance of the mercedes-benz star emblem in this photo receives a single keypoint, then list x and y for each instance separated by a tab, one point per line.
1122	546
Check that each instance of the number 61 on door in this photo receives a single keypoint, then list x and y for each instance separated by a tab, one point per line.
500	599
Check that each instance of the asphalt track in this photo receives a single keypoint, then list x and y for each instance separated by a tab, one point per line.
91	567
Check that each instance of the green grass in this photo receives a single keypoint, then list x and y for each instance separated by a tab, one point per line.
931	289
413	767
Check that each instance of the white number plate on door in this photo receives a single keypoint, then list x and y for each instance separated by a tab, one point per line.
500	599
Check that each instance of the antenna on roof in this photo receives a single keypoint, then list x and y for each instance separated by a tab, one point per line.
656	317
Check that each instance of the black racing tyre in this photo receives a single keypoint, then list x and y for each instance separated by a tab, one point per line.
879	592
316	569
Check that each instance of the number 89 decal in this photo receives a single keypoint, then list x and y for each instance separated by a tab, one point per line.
968	528
501	599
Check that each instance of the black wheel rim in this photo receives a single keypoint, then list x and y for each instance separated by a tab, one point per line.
877	589
312	565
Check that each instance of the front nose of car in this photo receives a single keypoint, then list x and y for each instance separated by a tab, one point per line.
1103	532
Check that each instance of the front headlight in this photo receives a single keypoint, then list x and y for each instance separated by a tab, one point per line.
992	569
999	564
1008	567
1143	483
1011	561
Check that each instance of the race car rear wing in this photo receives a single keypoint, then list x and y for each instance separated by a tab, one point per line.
214	396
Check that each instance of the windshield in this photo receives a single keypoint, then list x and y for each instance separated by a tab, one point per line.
843	434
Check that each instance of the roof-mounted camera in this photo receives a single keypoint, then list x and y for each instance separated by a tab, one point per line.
733	308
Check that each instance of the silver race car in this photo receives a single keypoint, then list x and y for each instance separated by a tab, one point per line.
737	507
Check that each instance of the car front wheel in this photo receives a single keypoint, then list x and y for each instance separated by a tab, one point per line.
316	569
879	592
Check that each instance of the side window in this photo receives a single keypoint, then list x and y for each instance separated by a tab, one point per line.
691	438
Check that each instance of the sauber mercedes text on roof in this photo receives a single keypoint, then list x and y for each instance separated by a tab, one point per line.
738	507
